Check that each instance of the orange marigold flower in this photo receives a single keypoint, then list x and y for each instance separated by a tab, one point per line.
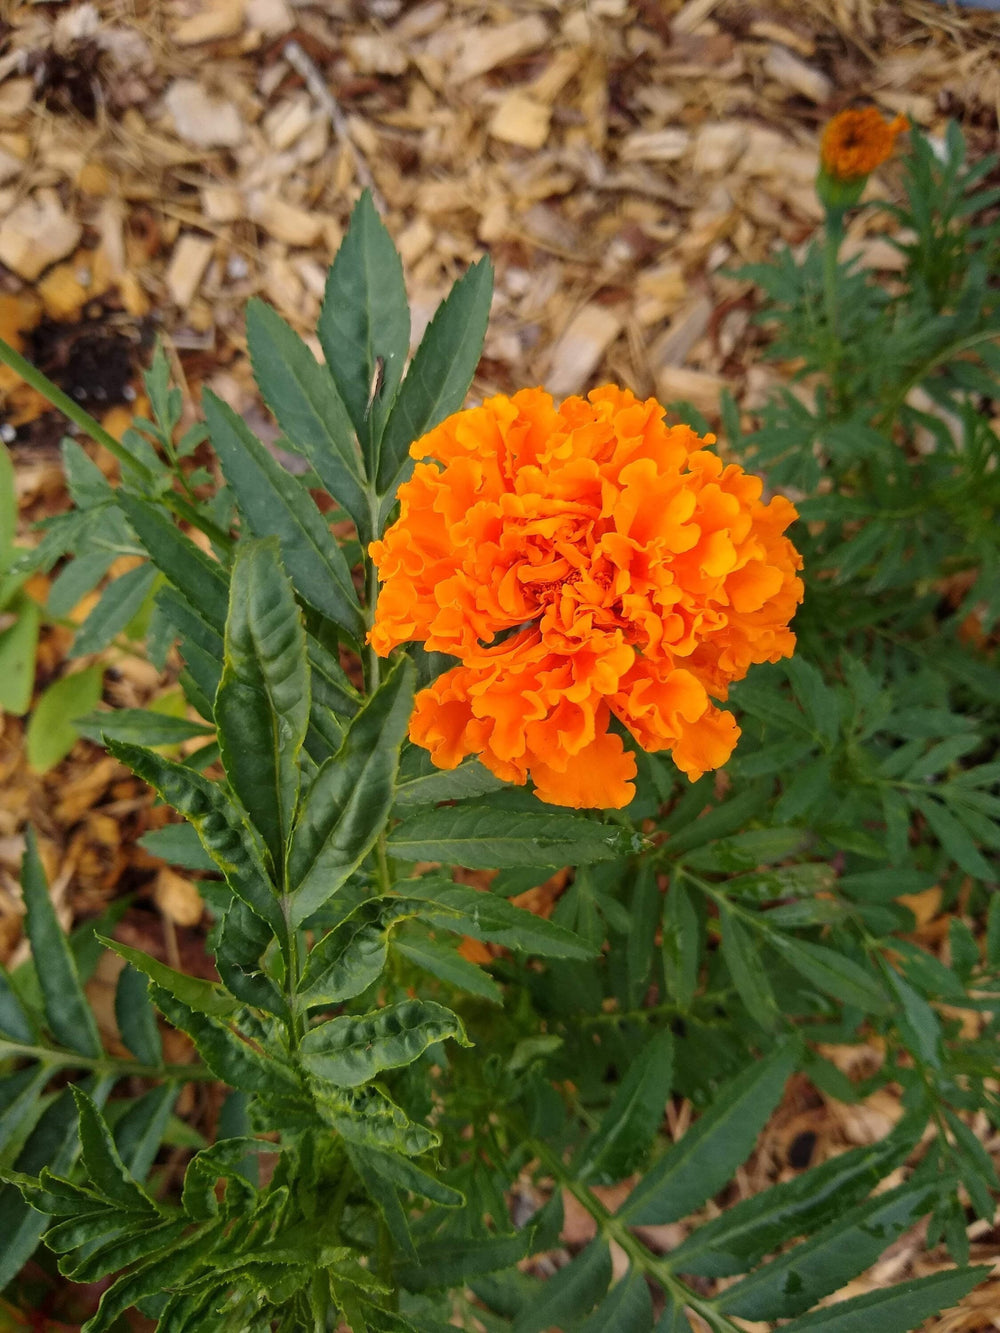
855	142
583	563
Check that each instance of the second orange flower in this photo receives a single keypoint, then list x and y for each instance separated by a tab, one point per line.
583	563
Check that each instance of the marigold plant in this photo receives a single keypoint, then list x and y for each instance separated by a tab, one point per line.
583	563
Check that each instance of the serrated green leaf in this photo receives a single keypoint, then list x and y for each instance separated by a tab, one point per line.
67	1012
8	509
14	1021
681	943
51	731
350	957
273	502
139	1133
195	992
102	1162
570	1292
739	1238
352	1049
420	783
120	601
709	1153
179	845
740	950
917	1021
149	1279
444	961
406	1175
955	840
345	808
135	1017
241	944
120	1253
140	726
832	973
452	1262
221	1161
630	1124
262	707
367	1116
201	581
439	375
76	579
482	838
627	1308
303	396
484	916
800	1277
897	1309
222	827
365	320
18	645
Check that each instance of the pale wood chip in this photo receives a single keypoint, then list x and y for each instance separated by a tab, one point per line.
580	348
202	120
187	268
215	20
520	119
484	48
36	233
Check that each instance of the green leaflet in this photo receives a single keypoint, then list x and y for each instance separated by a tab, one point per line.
135	1017
628	1308
346	806
420	783
52	730
103	1164
365	322
483	838
636	1113
350	957
274	503
120	601
18	644
451	1262
406	1175
895	1309
202	581
224	831
196	993
141	726
351	1050
67	1012
831	972
569	1293
484	916
262	707
303	396
740	949
439	375
368	1117
442	960
709	1153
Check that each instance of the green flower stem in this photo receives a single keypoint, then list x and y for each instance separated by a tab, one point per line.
613	1229
831	250
105	1065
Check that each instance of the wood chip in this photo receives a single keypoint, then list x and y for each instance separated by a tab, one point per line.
520	119
202	120
656	146
187	268
284	221
793	73
177	898
485	48
698	387
580	348
36	233
216	19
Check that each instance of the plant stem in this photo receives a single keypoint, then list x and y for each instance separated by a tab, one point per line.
105	1065
831	249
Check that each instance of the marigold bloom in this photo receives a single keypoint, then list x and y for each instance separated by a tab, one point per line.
582	563
855	142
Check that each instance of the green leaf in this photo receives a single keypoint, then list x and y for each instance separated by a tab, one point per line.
897	1309
303	396
274	503
832	973
51	732
365	320
14	1021
482	838
8	509
681	943
179	845
366	1116
444	961
102	1162
827	1261
709	1153
223	1160
739	949
955	840
222	827
627	1308
76	579
196	993
406	1175
262	707
140	726
67	1012
350	957
135	1017
440	374
140	1131
152	1278
917	1022
451	1262
119	603
631	1122
123	1251
352	1049
239	949
570	1292
484	916
18	644
201	580
739	1238
345	808
229	1058
420	783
